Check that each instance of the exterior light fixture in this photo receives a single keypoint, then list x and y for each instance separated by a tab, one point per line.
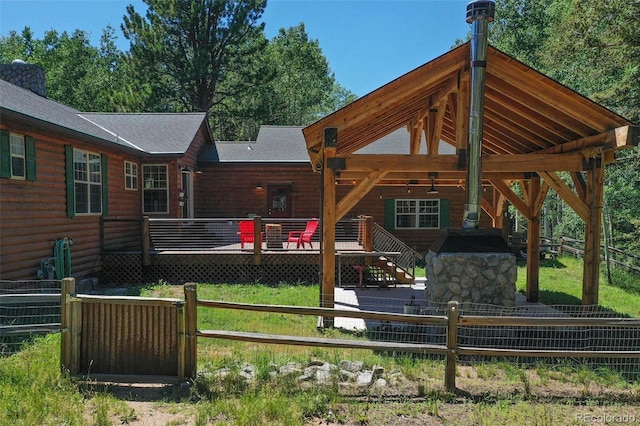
259	186
433	189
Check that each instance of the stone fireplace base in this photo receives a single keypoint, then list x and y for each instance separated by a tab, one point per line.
471	277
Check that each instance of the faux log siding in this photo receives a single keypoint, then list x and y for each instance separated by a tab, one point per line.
33	214
228	190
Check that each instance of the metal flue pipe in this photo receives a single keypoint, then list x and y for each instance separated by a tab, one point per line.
479	14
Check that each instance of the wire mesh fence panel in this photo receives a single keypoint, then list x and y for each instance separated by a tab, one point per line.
27	309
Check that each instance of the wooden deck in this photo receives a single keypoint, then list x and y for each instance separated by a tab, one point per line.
228	263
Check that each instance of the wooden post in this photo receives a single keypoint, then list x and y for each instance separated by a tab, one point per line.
75	332
257	240
533	242
191	330
594	197
329	224
368	236
146	242
68	288
181	340
453	316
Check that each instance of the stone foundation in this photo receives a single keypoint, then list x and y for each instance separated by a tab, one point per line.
471	277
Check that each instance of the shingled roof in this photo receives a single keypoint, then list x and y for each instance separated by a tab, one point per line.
285	144
154	133
19	103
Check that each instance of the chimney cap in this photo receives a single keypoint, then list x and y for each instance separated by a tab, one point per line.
481	9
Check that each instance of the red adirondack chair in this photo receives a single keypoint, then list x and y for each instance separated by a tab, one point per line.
246	232
303	237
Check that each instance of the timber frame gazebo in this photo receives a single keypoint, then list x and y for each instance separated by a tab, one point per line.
534	127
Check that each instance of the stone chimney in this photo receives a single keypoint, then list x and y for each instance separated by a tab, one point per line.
27	76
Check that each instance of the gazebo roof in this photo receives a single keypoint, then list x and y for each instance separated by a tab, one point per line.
525	111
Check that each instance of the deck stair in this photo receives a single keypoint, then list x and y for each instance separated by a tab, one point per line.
405	264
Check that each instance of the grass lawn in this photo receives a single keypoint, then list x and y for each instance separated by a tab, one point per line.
34	392
561	284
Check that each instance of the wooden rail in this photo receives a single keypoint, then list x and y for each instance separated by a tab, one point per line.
185	327
453	320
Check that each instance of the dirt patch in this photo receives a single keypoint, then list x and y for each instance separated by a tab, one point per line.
479	400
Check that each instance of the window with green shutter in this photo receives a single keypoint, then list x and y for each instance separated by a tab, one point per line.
416	213
17	156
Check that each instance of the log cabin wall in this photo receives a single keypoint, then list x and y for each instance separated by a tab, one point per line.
229	190
33	214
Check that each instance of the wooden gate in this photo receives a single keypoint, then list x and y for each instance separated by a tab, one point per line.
106	335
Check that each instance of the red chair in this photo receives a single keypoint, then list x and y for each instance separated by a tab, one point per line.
246	232
303	237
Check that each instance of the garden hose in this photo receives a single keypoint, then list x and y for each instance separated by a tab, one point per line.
62	256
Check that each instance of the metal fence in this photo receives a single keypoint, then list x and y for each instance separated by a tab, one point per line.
27	308
462	332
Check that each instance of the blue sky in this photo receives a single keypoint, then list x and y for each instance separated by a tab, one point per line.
368	43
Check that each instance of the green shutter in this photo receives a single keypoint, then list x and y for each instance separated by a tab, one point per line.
444	213
71	190
30	149
105	187
389	214
5	155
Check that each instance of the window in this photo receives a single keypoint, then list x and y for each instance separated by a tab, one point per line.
17	156
130	176
87	178
155	190
417	214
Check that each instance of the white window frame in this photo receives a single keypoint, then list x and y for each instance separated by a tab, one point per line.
149	184
90	177
414	209
130	176
14	137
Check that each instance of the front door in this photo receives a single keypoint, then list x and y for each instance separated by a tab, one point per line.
280	201
187	194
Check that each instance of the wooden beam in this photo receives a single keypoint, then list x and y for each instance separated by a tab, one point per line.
533	243
570	197
442	163
357	192
462	112
591	274
537	86
511	196
327	298
437	117
624	137
415	131
387	96
579	185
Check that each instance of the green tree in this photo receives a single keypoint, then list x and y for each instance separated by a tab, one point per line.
301	89
522	27
304	87
182	50
78	74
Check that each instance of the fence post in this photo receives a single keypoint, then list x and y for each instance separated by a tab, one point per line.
257	240
453	316
191	325
146	242
181	340
68	287
75	333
